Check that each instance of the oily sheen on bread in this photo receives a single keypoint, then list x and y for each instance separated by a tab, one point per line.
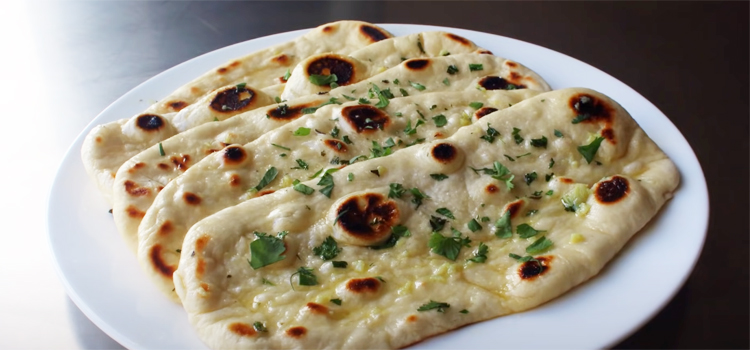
408	262
139	179
107	146
332	137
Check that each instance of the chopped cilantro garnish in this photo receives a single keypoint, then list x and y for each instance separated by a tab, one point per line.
241	86
437	223
328	249
492	133
503	226
530	177
417	86
397	232
306	276
522	259
396	190
347	140
548	177
541	142
448	247
327	182
266	250
539	246
446	82
403	92
411	131
476	105
382	97
445	212
475	67
550	192
558	133
551	163
269	176
364	101
302	131
509	158
259	326
589	151
336	301
439	177
526	231
581	117
516	135
287	75
452	69
434	305
350	177
418	196
349	97
321	80
335	132
161	150
498	172
302	188
474	225
481	255
339	265
440	120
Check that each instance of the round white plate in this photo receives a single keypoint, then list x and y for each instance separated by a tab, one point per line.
104	279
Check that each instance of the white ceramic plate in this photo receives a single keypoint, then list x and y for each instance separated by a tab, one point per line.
104	279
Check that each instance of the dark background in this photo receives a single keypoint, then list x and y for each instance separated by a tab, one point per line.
688	58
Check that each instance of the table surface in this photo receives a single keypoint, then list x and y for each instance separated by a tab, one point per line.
64	62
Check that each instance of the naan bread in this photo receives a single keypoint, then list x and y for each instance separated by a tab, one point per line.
424	285
335	136
107	146
140	178
372	60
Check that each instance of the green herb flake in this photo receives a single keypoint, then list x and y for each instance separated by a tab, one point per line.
558	133
267	282
440	120
335	132
349	97
539	246
550	192
504	229
481	254
327	182
516	136
434	305
302	131
464	311
321	80
382	97
452	69
581	117
266	250
216	119
448	247
498	172
306	276
418	196
411	131
327	250
529	178
551	163
364	101
241	86
161	150
492	133
301	164
548	177
522	259
541	142
446	82
282	147
509	158
336	301
347	140
350	177
287	75
417	86
269	176
445	212
475	67
439	177
397	232
403	92
396	190
526	231
589	151
476	105
259	327
474	225
302	188
277	99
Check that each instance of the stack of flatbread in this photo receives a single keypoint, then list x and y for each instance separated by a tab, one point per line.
350	189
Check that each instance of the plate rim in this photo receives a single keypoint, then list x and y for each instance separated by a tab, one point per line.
74	150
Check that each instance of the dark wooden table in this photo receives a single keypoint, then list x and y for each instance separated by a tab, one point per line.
689	58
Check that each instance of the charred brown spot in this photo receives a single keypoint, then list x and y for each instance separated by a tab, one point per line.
201	243
204	286
492	189
565	180
196	90
461	40
136	167
234	155
484	52
438	135
515	76
296	332
328	65
161	266
372	222
234	64
484	111
209	151
234	180
133	212
200	268
365	118
281	59
511	64
609	134
411	318
232	99
532	268
317	308
242	329
191	198
221	70
373	33
150	122
327	29
166	228
180	162
177	105
134	190
265	192
98	139
444	153
336	145
497	83
612	190
285	112
514	208
417	64
363	285
163	166
158	189
591	109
